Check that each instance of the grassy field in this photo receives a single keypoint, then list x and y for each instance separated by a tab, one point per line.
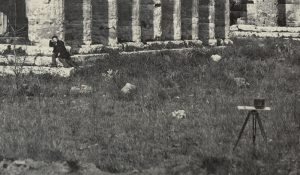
123	133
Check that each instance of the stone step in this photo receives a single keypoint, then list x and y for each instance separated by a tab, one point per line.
253	28
28	49
47	60
26	60
80	59
99	48
264	34
38	70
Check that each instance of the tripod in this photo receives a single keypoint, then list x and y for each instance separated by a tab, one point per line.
255	120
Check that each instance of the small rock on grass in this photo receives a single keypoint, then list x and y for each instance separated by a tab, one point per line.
128	88
241	82
83	89
216	58
180	114
228	42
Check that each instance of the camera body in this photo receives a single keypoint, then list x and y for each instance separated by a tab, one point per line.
259	103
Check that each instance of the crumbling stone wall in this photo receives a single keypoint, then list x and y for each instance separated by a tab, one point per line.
289	11
267	12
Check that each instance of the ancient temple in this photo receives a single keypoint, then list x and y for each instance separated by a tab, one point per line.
110	22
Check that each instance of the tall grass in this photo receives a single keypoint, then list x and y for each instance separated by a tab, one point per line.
120	133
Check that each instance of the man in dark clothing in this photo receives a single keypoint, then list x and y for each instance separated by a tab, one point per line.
60	52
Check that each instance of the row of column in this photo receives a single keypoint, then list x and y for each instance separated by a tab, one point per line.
203	20
97	21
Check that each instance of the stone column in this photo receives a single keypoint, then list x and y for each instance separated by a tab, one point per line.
227	19
177	19
136	27
297	14
290	12
87	22
112	22
251	12
45	19
195	20
3	23
157	16
207	22
222	19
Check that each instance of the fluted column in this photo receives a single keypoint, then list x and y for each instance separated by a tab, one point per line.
3	22
112	22
227	19
177	19
207	21
222	19
45	19
195	20
87	22
157	16
290	12
136	27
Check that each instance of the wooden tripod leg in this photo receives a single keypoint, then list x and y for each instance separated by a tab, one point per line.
242	130
261	128
254	126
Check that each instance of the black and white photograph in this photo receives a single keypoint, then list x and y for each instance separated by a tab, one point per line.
149	87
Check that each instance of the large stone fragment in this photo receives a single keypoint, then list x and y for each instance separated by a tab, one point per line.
216	58
128	88
82	89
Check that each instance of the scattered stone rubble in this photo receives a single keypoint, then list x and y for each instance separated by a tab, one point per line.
128	89
82	89
216	58
31	167
180	114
